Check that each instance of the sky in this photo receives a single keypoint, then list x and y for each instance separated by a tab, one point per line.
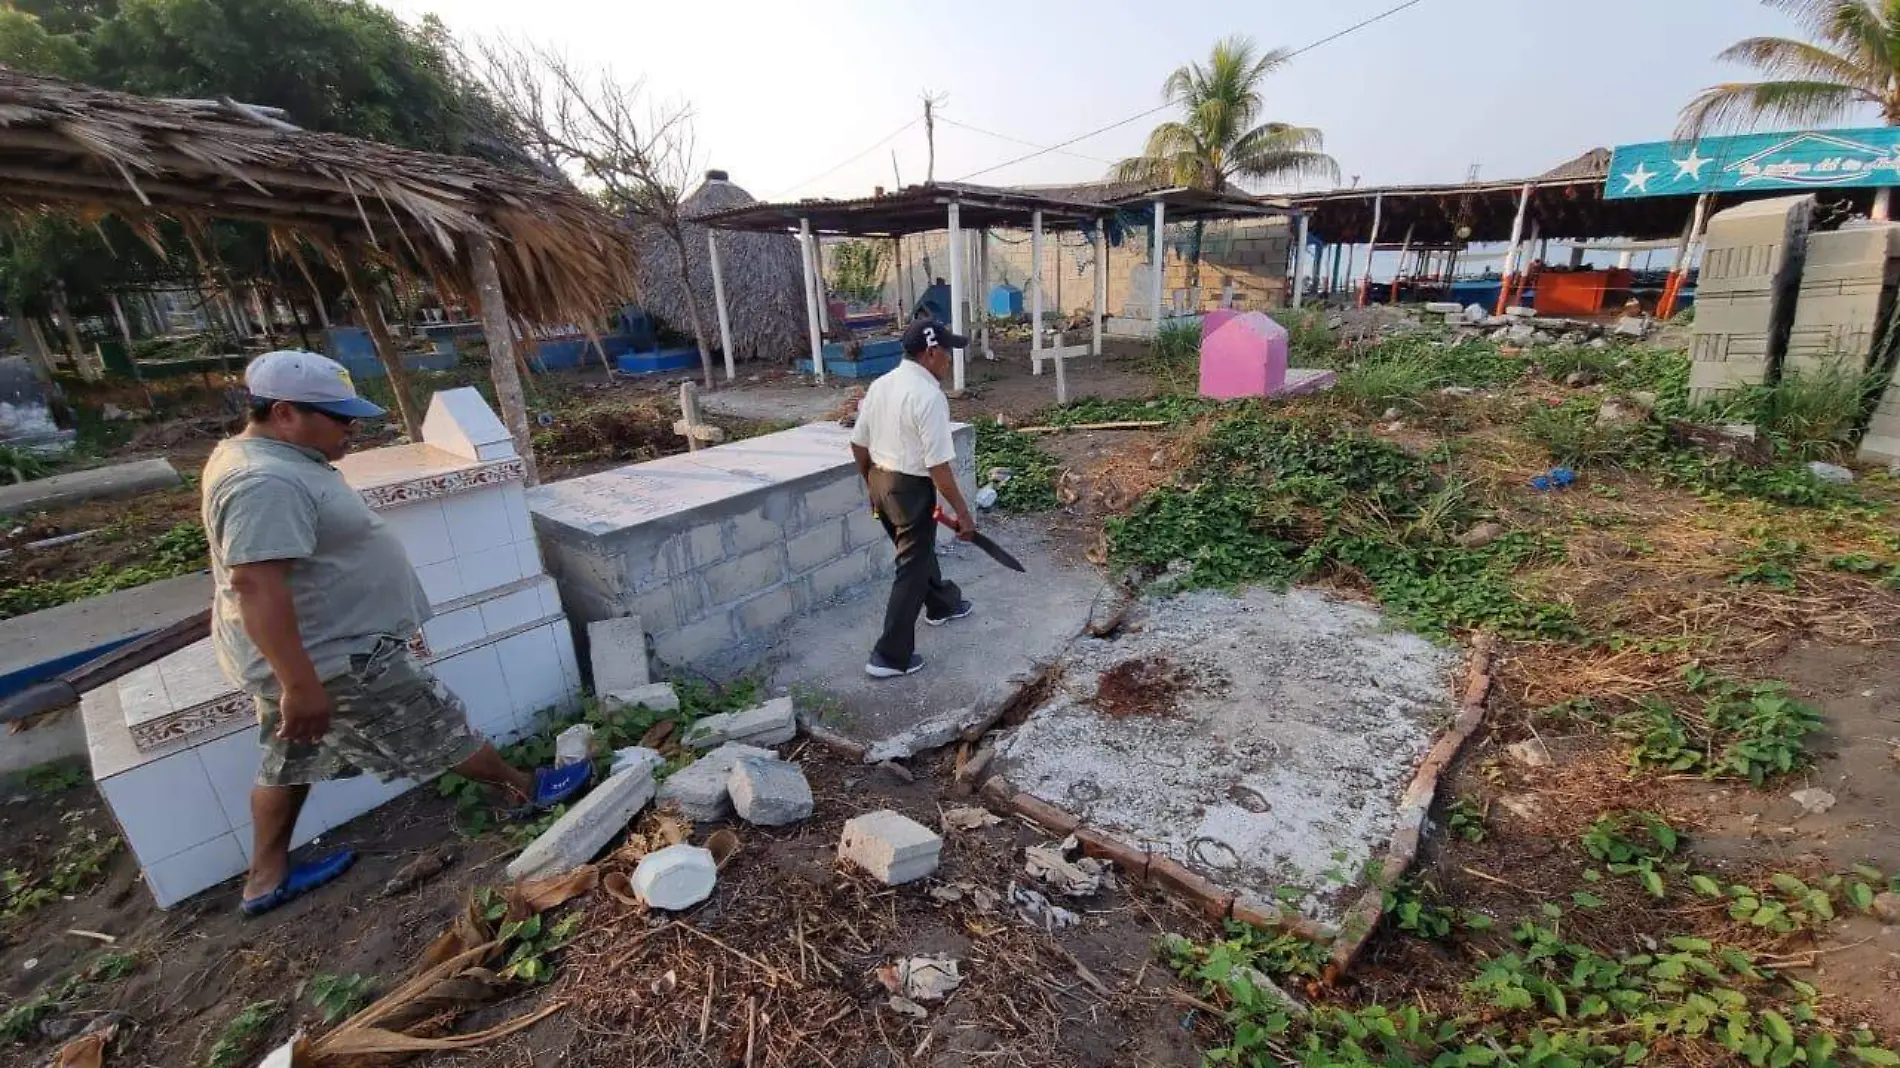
800	99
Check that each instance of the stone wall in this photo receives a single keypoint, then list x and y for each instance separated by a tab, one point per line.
716	551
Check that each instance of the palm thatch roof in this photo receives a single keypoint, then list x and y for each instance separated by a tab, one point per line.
765	294
85	152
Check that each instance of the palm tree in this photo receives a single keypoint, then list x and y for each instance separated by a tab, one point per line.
1218	142
1850	62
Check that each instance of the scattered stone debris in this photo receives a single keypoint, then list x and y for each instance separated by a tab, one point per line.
574	745
904	1006
617	651
769	793
1523	806
1579	379
1616	412
587	826
1518	311
636	756
658	696
922	979
969	818
1481	535
771	723
1737	441
1830	473
1037	911
1813	800
982	897
1631	327
1886	907
891	846
699	790
1064	870
1531	753
677	877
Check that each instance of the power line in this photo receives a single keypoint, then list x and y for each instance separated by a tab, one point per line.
881	142
946	120
1386	14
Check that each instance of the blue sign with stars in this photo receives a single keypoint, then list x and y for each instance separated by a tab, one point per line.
1812	159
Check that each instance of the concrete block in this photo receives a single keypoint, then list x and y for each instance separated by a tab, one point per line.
118	480
835	499
891	846
705	544
840	576
769	793
699	789
861	529
586	828
771	723
677	877
696	642
745	575
816	546
752	531
658	696
669	607
762	616
617	650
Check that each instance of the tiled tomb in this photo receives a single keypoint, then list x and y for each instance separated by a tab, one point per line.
174	745
718	550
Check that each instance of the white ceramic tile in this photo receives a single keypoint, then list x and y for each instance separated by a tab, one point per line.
453	630
475	677
564	648
423	531
528	558
477	520
500	450
231	764
441	582
243	834
489	568
520	525
333	804
532	665
511	610
550	598
187	873
142	695
192	676
166	806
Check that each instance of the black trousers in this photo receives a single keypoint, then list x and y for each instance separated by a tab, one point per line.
906	505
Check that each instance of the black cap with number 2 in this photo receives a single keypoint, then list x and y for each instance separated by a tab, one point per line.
926	333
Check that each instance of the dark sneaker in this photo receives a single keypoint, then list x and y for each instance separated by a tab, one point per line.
879	668
962	609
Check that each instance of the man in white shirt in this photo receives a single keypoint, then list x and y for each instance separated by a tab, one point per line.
903	447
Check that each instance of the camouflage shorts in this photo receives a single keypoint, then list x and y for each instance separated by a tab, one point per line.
393	719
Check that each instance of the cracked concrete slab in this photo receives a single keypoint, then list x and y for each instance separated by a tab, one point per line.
1259	738
972	667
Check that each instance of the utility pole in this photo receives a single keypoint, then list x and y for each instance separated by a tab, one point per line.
930	139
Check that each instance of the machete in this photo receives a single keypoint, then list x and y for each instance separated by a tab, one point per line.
983	542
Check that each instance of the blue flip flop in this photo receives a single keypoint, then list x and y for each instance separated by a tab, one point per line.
302	879
556	785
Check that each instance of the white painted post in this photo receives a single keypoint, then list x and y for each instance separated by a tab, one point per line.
1299	261
818	277
1160	264
1624	259
811	299
719	300
1372	245
1508	275
956	295
1035	294
1101	282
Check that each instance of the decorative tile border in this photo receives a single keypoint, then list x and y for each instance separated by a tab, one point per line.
445	484
226	708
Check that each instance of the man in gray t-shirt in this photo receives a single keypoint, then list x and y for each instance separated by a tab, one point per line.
314	606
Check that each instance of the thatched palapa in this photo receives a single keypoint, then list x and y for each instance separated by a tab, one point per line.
70	148
765	295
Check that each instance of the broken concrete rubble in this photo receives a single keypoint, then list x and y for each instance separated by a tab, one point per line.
1631	327
1831	473
1061	868
658	696
586	828
617	651
769	793
677	877
771	723
573	745
699	789
891	846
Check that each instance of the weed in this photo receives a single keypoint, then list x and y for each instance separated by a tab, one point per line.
1412	911
1174	356
241	1037
180	550
1633	843
1808	414
338	997
55	777
1172	409
76	865
1769	563
1310	342
1207	536
1372	386
1465	819
1559	362
1571	434
19	465
1032	481
1751	731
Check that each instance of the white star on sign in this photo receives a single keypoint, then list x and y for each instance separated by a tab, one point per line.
1637	181
1691	167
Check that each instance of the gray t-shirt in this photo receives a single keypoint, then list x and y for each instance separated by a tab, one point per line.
351	580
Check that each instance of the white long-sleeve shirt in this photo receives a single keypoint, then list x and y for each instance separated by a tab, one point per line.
904	420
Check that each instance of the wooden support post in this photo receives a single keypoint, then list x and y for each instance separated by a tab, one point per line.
811	300
689	412
1509	274
719	301
957	285
1035	292
1101	283
983	290
501	351
131	358
1685	253
1299	260
1372	244
899	299
1405	247
386	353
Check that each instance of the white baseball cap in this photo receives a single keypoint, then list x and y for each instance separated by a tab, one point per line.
307	378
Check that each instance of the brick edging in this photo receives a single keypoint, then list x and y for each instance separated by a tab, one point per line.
1218	903
1415	805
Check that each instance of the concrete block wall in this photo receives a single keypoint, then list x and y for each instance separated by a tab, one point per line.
1745	294
716	575
1847	289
